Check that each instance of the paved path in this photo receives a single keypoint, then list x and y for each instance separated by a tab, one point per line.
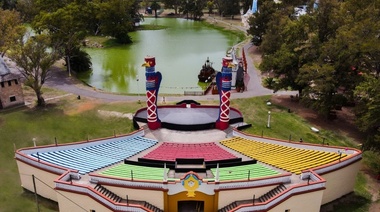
60	80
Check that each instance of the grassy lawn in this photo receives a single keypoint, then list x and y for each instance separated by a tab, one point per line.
64	120
283	125
69	119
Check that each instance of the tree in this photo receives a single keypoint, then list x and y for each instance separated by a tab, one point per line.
35	57
11	29
246	4
285	48
8	4
210	7
172	4
193	9
198	9
367	111
51	6
66	26
321	92
346	45
228	7
28	10
117	19
81	62
258	23
155	6
327	21
185	7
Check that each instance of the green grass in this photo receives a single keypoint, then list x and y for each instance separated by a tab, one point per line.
231	31
102	40
372	159
283	125
19	127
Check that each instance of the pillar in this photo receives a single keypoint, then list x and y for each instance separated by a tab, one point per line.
223	81
153	81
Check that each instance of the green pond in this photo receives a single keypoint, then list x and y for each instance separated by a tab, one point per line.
180	51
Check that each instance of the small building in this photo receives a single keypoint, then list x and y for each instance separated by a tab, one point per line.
10	87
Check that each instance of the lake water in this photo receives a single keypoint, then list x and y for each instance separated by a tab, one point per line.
180	51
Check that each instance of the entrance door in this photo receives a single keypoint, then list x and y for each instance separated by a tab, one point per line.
190	206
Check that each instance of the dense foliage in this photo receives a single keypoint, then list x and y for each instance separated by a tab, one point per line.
193	9
81	62
67	23
330	55
11	30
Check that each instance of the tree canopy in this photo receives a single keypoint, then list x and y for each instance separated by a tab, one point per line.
69	22
330	55
66	26
35	57
11	29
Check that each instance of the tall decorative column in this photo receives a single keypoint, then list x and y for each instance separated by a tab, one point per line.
223	81
153	81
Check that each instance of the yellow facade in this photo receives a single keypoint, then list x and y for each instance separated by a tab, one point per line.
228	196
70	202
44	180
300	203
153	197
340	182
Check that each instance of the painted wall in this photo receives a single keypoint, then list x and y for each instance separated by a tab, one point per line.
71	202
301	203
226	197
340	183
26	171
153	197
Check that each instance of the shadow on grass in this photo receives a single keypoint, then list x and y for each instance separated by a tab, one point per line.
351	202
48	108
46	203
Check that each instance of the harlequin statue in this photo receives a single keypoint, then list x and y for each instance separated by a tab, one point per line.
153	81
223	82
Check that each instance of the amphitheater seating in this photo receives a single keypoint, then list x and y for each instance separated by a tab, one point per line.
244	172
284	157
91	158
138	172
171	151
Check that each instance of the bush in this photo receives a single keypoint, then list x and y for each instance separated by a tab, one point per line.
269	82
123	38
81	61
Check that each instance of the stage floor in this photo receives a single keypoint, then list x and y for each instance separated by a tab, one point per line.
194	117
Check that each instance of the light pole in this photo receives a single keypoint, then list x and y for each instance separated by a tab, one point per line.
268	125
138	91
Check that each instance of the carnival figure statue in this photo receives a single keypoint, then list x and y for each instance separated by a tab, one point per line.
153	81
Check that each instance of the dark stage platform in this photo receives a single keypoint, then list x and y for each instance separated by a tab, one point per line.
188	117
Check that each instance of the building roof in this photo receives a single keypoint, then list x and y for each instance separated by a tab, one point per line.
3	67
5	72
